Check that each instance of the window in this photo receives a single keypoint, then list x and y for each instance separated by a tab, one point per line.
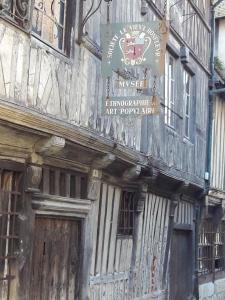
63	183
126	213
187	103
211	248
169	91
52	22
10	204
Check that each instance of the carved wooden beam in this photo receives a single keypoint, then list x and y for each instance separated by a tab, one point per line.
33	178
132	173
104	162
94	185
50	146
143	189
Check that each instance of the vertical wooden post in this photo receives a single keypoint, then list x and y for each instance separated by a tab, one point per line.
89	231
136	253
174	202
26	230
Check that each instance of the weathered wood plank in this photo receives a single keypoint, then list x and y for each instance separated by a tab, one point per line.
107	232
114	230
101	228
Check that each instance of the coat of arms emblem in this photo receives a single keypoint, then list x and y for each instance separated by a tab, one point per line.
134	46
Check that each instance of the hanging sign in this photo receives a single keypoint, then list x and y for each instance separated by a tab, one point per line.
132	47
128	45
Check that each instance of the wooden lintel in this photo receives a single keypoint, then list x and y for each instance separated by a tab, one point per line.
105	161
132	173
50	145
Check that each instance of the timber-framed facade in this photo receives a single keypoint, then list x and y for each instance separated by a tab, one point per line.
109	205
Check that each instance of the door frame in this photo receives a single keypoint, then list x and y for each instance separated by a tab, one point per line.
186	228
53	206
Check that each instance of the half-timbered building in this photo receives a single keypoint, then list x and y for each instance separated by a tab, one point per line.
98	207
211	233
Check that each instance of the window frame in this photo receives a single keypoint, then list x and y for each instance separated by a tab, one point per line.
187	95
170	85
68	25
11	197
210	242
125	227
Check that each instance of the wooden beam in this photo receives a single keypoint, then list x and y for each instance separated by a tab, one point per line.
104	162
33	178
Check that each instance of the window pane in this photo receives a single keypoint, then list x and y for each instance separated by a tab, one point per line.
49	20
169	91
37	21
59	12
187	127
47	31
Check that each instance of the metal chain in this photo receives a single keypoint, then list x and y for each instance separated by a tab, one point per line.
108	21
165	9
108	10
154	86
108	87
155	99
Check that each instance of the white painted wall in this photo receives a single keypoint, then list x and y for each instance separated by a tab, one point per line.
221	40
212	291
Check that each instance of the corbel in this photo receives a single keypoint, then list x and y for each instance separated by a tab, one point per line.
94	184
132	173
50	146
104	162
142	194
154	176
33	178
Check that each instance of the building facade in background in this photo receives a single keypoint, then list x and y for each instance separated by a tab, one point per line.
96	207
212	225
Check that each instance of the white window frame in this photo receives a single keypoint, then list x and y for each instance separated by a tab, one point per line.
187	103
170	90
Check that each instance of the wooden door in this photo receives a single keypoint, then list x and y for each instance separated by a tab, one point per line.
181	265
56	259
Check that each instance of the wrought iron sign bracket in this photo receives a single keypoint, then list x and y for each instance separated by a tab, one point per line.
183	15
83	20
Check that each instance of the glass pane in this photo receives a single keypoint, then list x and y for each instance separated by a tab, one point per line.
47	31
187	127
37	21
188	105
188	84
49	6
58	36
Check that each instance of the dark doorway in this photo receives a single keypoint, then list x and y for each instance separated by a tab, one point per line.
56	259
181	265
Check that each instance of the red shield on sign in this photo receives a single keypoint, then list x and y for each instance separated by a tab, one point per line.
134	47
